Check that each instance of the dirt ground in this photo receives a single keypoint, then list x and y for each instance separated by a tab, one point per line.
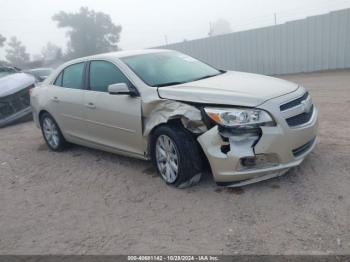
84	201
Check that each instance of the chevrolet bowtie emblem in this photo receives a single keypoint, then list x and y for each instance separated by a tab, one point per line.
306	105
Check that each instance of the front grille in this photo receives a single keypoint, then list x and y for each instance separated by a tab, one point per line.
14	103
301	150
298	111
301	118
294	102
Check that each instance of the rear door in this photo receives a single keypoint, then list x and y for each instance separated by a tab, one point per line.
66	100
112	120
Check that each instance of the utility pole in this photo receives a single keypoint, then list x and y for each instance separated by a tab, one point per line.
275	15
166	39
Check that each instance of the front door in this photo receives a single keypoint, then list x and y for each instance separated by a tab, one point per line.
112	120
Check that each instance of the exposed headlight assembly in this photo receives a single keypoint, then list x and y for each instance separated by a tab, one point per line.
239	117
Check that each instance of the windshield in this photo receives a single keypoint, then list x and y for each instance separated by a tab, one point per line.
4	71
169	68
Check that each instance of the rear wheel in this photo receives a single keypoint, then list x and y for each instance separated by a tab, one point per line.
176	155
52	133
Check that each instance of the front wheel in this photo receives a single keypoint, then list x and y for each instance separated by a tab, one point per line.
176	155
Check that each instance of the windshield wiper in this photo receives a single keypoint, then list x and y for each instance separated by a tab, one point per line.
170	84
207	76
182	82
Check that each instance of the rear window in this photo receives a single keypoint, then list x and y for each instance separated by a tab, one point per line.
58	81
71	77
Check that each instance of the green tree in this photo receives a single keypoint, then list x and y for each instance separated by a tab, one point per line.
16	53
90	32
2	40
51	52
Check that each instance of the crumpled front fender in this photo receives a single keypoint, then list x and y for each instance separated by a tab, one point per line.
166	110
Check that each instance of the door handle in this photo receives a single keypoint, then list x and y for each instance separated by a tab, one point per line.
91	105
55	99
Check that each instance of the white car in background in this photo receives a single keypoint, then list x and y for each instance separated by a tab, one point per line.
179	112
14	95
40	74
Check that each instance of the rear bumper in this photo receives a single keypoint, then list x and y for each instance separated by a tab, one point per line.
16	116
288	147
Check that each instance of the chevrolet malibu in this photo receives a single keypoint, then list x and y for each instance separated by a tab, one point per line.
180	113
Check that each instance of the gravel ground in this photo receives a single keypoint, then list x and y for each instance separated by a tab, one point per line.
84	201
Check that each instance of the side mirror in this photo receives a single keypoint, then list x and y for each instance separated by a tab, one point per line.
121	89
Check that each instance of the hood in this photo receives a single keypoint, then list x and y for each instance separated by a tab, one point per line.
13	83
230	88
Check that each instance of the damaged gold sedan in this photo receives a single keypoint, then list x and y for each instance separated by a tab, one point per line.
179	112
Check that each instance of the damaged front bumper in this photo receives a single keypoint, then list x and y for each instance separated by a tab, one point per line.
243	159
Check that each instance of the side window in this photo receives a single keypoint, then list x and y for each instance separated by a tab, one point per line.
73	76
58	81
103	74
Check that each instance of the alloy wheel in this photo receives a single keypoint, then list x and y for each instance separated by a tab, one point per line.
167	158
51	132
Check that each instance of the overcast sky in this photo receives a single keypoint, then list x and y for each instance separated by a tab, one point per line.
146	22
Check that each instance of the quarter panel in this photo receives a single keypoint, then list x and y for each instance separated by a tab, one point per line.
66	106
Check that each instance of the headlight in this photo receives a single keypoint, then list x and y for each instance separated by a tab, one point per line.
239	117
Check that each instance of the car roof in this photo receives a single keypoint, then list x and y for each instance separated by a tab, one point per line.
119	54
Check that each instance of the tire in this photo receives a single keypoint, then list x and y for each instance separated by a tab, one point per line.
188	156
52	133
